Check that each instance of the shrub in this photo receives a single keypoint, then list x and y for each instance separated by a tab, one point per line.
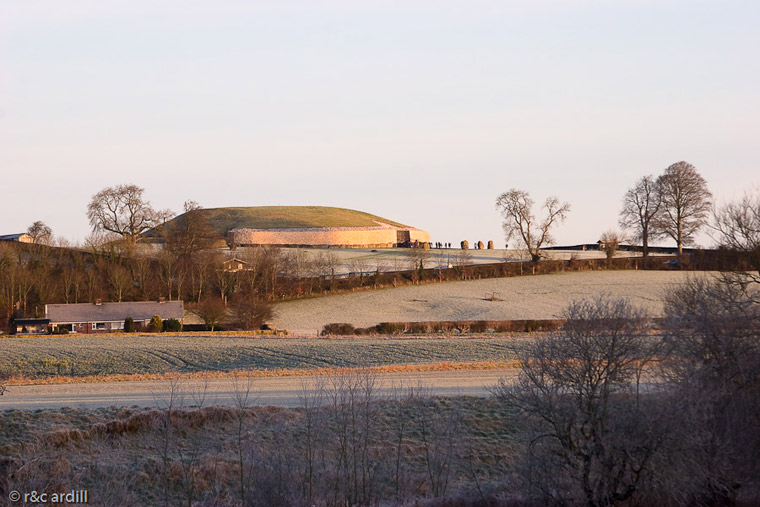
390	328
172	325
60	330
338	328
212	311
465	245
490	244
129	325
156	324
249	312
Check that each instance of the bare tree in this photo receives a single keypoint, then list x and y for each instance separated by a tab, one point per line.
250	312
440	431
212	312
517	208
609	243
359	265
738	227
120	280
242	397
123	211
352	417
40	233
686	203
168	267
713	337
189	233
416	259
589	436
641	204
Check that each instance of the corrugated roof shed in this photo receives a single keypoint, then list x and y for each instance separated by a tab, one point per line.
114	312
21	236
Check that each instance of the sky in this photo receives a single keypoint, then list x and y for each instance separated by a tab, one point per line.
422	112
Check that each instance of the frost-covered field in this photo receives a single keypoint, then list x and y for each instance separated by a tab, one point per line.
353	260
81	355
526	297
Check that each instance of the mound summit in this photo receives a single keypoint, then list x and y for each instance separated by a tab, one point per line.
307	226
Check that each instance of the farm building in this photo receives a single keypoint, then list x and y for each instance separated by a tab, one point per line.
103	317
21	237
234	265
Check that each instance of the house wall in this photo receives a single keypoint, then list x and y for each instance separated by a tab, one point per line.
91	327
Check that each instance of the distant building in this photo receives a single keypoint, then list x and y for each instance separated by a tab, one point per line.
21	237
100	317
234	265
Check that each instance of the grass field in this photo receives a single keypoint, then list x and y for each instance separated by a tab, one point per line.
143	457
524	297
81	356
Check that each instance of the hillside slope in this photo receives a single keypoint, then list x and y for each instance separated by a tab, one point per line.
525	297
223	220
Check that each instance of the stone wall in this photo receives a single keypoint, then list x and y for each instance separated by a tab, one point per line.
383	236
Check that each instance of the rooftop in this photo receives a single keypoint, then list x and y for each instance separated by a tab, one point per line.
113	312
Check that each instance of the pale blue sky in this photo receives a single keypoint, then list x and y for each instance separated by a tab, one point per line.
422	112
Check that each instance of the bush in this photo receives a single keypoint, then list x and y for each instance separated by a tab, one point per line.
60	330
390	328
249	312
465	245
338	328
212	311
129	325
156	324
172	325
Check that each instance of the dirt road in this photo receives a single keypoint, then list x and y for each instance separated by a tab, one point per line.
280	391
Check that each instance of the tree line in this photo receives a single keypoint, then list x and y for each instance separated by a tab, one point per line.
186	265
676	204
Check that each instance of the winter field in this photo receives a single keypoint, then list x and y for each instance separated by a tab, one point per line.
354	260
39	358
525	297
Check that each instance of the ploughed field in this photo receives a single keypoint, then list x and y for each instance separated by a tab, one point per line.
79	356
523	297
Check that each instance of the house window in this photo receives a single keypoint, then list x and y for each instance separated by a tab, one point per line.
117	325
100	325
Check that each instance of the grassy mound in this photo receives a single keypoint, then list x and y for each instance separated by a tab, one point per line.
223	220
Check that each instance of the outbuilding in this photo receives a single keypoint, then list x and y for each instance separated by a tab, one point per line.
31	326
21	237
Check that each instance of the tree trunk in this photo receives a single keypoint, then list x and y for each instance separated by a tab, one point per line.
679	240
645	245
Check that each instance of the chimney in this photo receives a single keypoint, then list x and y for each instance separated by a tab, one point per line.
98	302
162	299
